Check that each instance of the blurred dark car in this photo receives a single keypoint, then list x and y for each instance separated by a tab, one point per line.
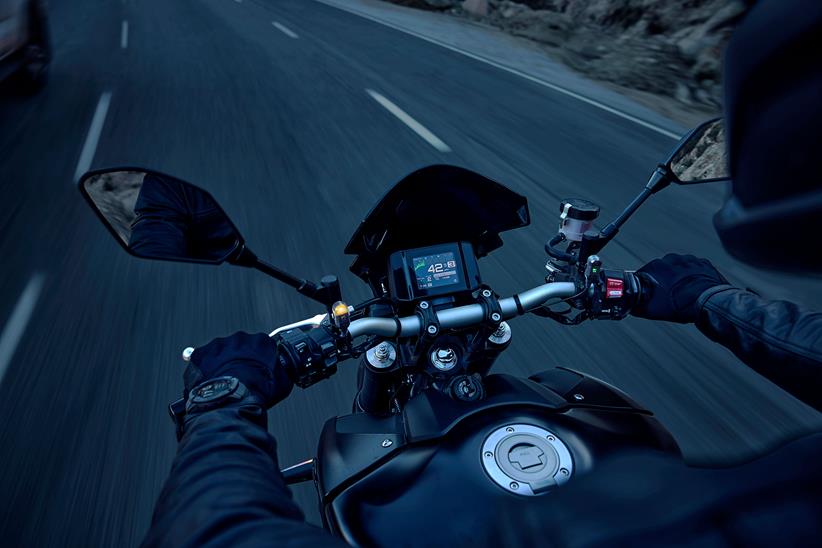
25	48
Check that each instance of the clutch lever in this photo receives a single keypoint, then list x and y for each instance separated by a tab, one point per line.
315	321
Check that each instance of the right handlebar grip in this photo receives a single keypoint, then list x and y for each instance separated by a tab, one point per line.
644	291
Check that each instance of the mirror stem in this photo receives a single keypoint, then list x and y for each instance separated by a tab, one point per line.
593	244
660	179
304	287
248	259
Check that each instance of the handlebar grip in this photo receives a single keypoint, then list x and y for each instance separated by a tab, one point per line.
307	356
644	291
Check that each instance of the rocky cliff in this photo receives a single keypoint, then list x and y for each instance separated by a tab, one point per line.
671	48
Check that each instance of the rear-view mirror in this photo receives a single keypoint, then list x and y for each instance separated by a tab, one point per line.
156	216
701	156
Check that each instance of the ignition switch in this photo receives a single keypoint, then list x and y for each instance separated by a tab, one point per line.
467	388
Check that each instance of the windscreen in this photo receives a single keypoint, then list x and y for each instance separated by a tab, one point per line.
432	206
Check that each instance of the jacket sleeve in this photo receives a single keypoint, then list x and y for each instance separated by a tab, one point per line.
225	488
778	339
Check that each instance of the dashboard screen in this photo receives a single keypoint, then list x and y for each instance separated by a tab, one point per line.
442	269
438	270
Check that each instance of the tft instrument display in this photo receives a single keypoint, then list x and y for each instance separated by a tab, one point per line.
437	270
425	272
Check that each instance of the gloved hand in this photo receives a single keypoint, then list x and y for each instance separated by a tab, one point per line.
671	286
252	359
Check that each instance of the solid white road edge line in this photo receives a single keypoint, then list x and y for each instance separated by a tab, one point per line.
93	136
19	319
415	126
534	79
285	30
124	35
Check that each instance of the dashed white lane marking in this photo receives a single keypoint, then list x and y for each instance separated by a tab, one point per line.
124	35
93	136
19	319
534	79
415	126
285	30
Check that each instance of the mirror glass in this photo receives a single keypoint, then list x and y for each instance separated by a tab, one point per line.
159	217
703	156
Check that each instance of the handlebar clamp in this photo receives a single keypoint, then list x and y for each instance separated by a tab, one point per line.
491	307
428	319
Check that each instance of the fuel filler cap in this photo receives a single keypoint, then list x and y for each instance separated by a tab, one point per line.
526	460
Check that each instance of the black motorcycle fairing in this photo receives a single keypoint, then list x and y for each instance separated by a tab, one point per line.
434	205
353	443
582	391
364	461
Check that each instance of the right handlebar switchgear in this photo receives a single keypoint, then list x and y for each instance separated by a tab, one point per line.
612	294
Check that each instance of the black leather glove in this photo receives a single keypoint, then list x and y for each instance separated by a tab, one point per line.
671	286
252	359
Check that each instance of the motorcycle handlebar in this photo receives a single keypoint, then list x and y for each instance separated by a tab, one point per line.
462	316
312	355
451	318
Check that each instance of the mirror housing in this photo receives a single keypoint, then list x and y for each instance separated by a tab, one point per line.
155	216
701	156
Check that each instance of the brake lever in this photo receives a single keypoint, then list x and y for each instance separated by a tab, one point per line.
561	317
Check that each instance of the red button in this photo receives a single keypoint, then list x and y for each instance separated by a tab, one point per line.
615	288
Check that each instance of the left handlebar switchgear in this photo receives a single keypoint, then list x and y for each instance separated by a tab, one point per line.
308	356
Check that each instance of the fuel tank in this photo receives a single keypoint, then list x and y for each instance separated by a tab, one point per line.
405	479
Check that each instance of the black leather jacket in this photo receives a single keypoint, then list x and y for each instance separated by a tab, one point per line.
225	487
779	340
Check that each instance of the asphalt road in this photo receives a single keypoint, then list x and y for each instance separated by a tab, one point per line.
280	128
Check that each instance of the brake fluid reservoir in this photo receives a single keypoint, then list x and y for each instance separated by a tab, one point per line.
576	218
